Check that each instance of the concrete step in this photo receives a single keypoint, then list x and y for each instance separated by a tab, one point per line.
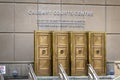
18	79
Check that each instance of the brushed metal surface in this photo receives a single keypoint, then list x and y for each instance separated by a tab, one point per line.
61	52
97	52
78	53
42	53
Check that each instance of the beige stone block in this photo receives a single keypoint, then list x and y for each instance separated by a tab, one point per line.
48	7
112	47
113	2
24	21
73	8
48	27
48	17
72	26
6	47
49	1
24	47
94	1
113	19
73	1
25	0
97	21
6	17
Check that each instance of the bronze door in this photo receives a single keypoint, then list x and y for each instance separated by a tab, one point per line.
43	53
97	52
61	51
78	53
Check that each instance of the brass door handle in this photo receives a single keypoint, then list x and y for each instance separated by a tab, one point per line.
97	51
61	51
43	52
79	51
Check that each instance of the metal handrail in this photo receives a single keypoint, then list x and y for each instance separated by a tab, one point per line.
91	73
117	78
1	76
31	72
62	73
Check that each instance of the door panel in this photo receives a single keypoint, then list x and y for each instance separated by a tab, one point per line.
63	62
61	52
78	53
97	52
62	39
80	64
43	53
97	39
97	63
43	39
97	55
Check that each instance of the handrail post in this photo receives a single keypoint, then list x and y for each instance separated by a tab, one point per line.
31	72
1	76
62	73
91	73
